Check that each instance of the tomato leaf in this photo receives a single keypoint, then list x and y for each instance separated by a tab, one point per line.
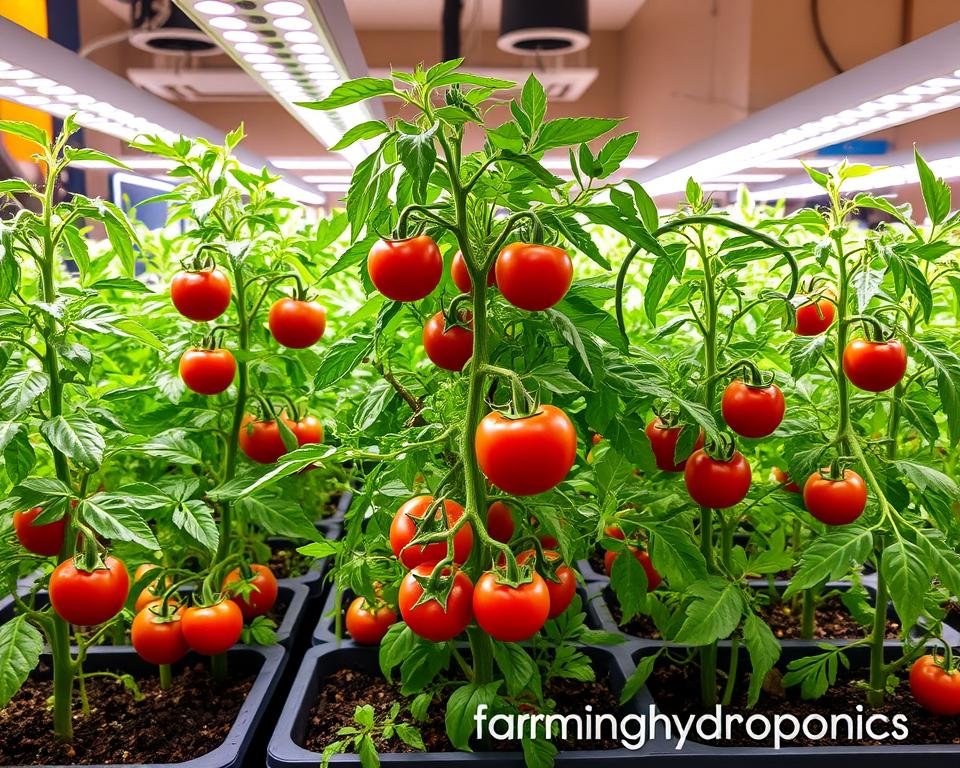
20	647
77	437
367	130
395	646
418	153
195	518
461	708
516	665
638	678
629	581
713	615
343	356
118	516
906	571
831	556
27	131
675	555
566	131
936	192
352	91
764	650
20	391
614	152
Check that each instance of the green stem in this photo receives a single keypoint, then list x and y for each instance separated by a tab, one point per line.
878	675
731	671
843	392
166	676
807	621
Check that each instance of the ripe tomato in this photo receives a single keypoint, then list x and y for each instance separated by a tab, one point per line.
663	442
430	619
653	576
874	365
714	483
403	528
500	524
201	296
614	532
308	430
561	592
835	502
448	349
596	439
367	625
86	598
261	440
207	371
46	539
507	613
158	640
533	277
153	591
752	411
782	478
461	277
936	689
813	318
263	596
405	270
212	629
528	455
297	324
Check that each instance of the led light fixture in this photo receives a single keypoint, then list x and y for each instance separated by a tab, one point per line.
298	50
39	73
910	82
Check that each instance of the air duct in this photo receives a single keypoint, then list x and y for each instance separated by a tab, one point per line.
543	27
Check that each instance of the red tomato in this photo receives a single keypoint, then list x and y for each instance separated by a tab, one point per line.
508	613
752	411
835	502
614	532
86	598
714	483
782	478
297	324
201	296
596	439
207	371
653	576
663	442
153	591
261	440
500	524
813	318
405	270
403	528
533	277
448	349
430	619
46	539
157	639
529	455
562	591
936	689
308	430
461	277
874	365
264	594
212	629
367	625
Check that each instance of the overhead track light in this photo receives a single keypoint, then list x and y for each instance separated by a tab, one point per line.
910	82
298	50
41	74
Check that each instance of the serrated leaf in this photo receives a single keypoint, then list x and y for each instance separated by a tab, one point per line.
714	616
118	516
343	356
195	519
77	438
20	646
567	131
830	557
906	571
21	390
463	703
764	650
352	91
366	130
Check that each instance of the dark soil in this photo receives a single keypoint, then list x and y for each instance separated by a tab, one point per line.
346	689
596	562
832	621
278	611
286	562
673	690
188	720
638	626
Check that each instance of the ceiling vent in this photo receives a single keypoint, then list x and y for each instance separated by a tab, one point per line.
158	26
543	27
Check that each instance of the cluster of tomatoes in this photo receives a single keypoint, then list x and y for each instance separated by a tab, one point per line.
506	611
530	276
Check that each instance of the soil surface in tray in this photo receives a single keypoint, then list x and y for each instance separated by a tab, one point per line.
187	720
285	562
674	690
833	622
345	690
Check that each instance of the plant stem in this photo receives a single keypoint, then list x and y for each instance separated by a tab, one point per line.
878	675
807	621
731	671
166	676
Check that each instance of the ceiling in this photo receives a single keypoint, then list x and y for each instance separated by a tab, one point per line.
425	14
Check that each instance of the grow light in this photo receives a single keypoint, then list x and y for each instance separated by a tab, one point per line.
298	51
943	159
41	74
910	82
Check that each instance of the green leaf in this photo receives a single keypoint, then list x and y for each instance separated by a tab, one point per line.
86	154
936	192
27	131
667	266
20	647
713	616
343	356
638	678
21	390
442	68
352	91
614	152
418	153
195	518
942	558
818	177
367	130
645	205
906	571
805	352
533	166
831	556
764	650
279	516
516	665
533	100
410	736
467	78
628	580
566	131
77	437
16	186
395	646
676	556
367	752
118	516
461	708
927	478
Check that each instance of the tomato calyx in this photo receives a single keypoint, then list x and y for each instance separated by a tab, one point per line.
201	260
722	448
751	375
836	471
523	404
874	330
438	585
